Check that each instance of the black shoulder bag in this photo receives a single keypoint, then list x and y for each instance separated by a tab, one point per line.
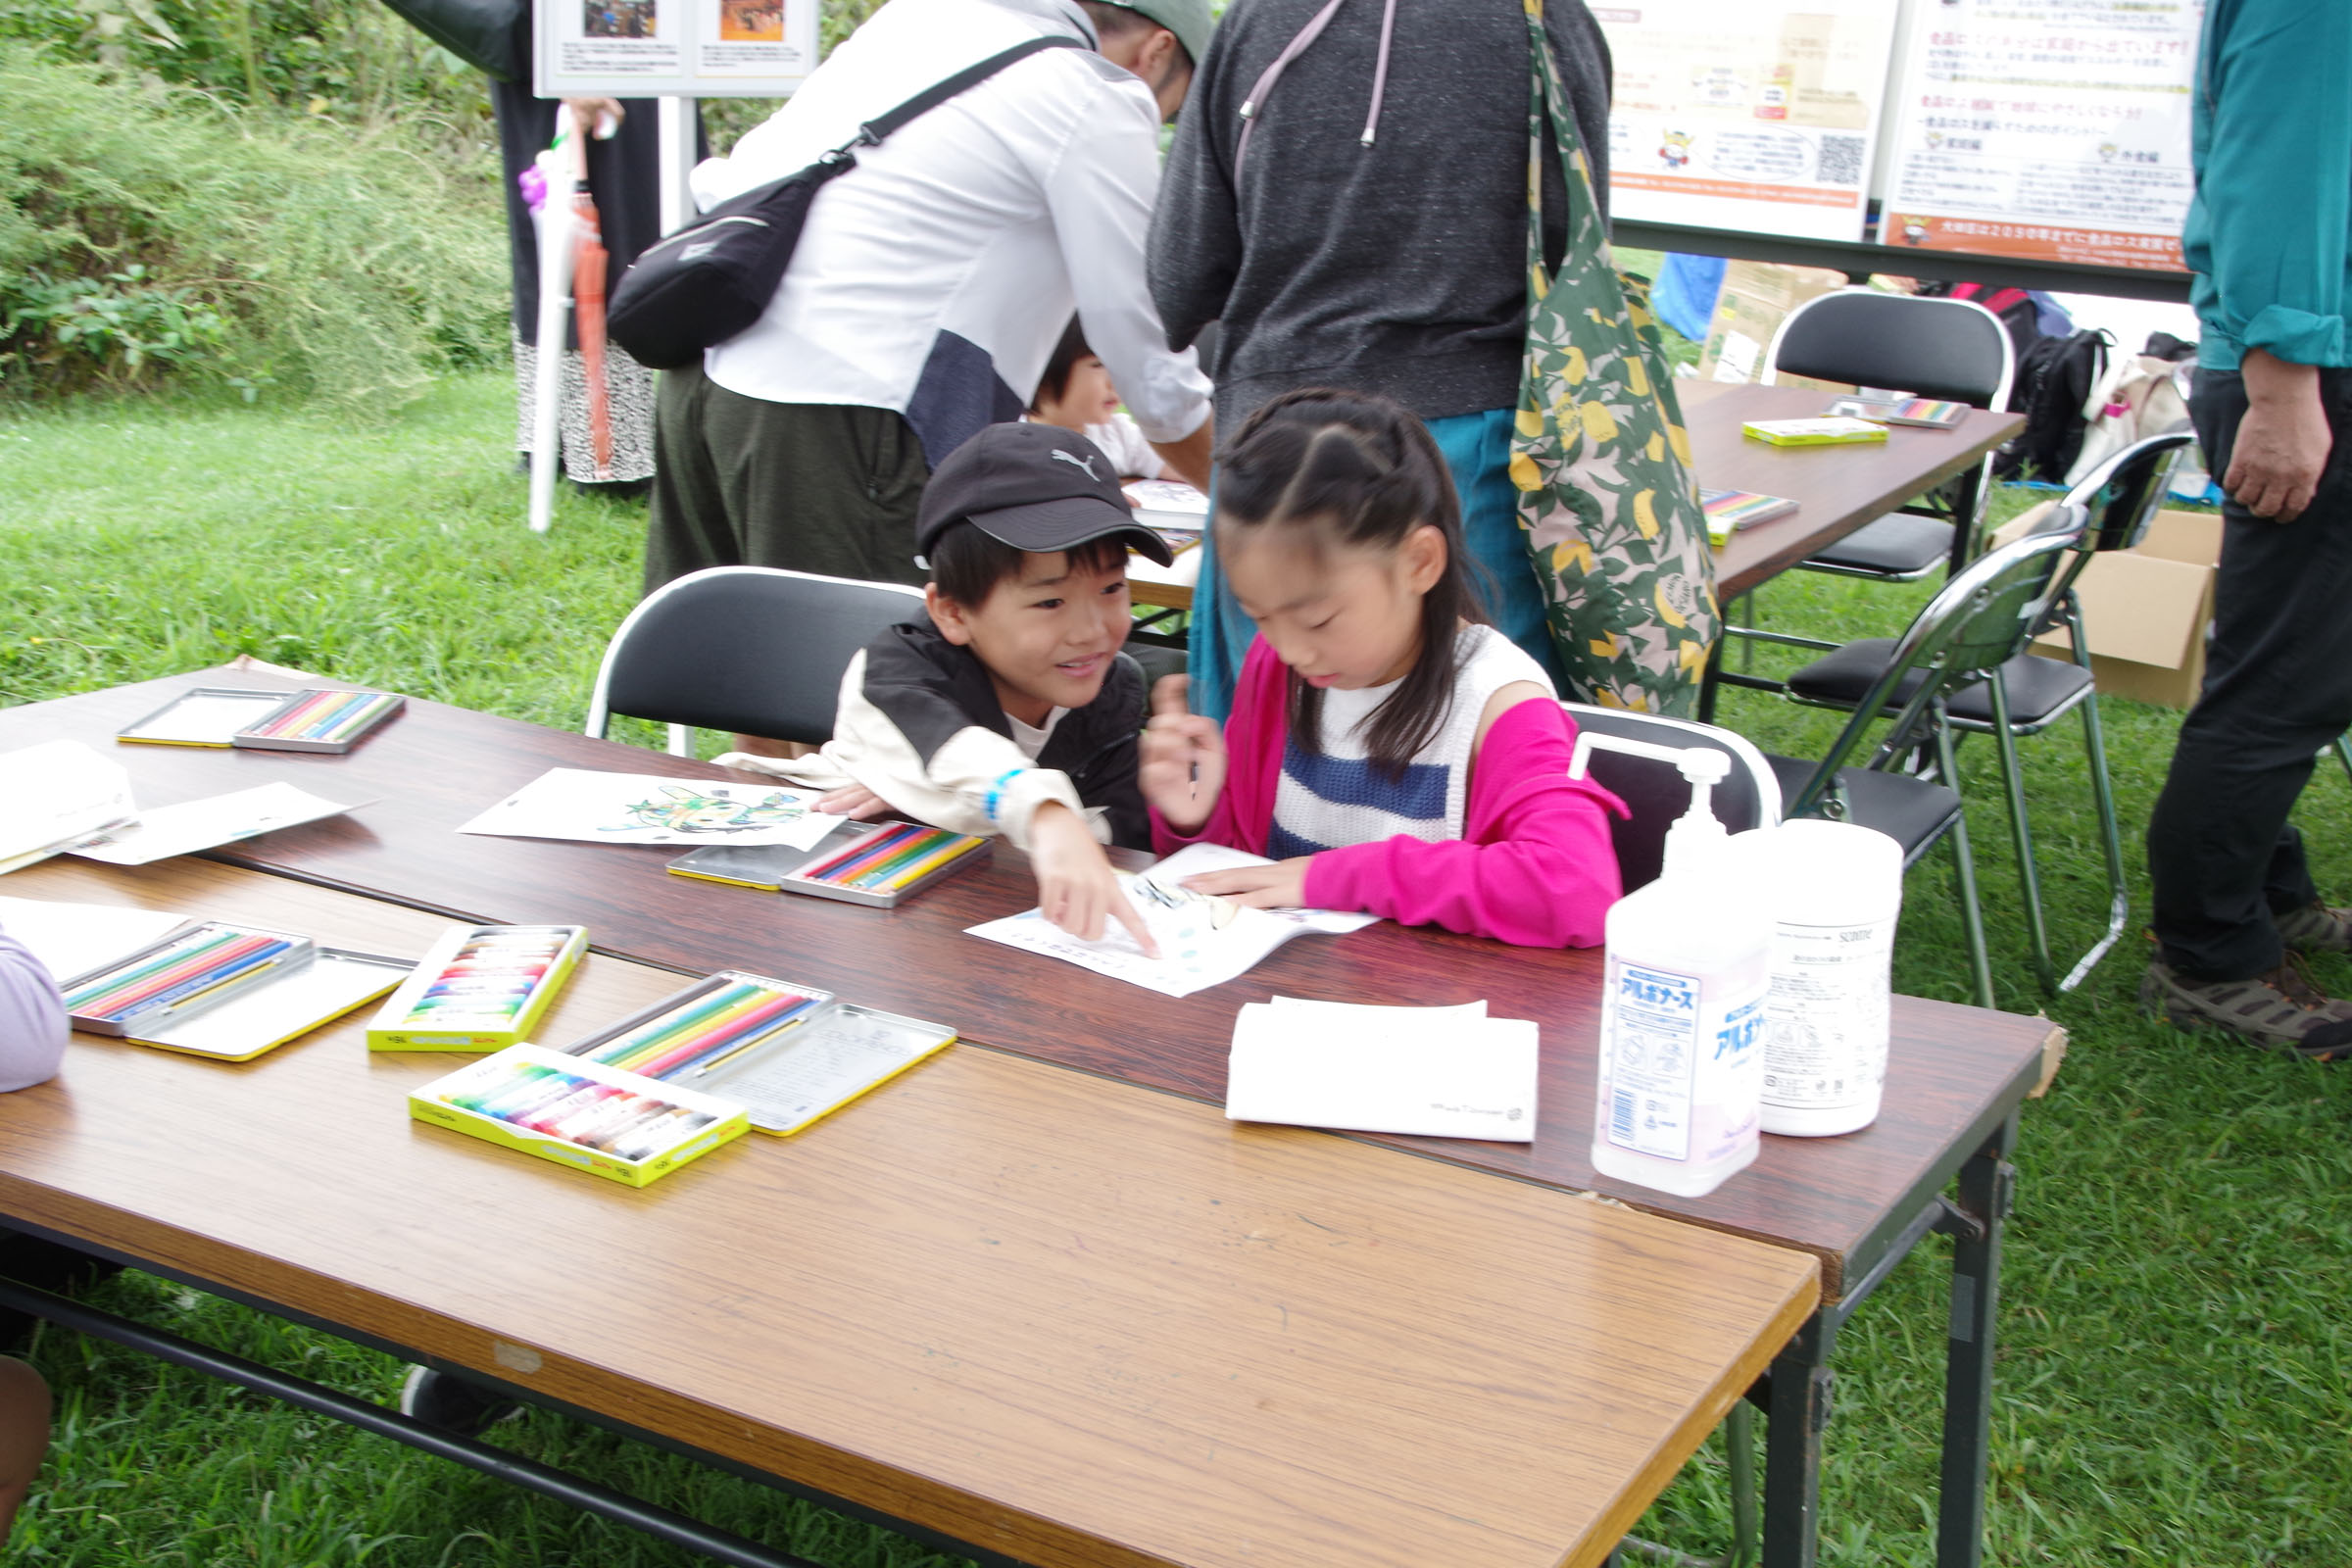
711	280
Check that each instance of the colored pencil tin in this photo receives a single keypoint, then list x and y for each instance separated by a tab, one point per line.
585	1115
480	988
197	968
789	1053
317	718
874	864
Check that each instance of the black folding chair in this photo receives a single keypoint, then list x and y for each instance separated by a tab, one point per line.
1654	790
748	649
1980	620
2109	509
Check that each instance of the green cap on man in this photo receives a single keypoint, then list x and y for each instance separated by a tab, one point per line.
1188	20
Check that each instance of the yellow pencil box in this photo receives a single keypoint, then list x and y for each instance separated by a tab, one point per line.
584	1114
480	988
1826	432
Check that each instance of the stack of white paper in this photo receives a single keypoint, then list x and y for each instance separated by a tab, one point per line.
1440	1072
57	794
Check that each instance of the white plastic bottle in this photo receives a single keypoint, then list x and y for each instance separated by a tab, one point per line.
1835	889
1682	1019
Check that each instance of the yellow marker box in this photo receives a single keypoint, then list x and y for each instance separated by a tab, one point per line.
480	988
614	1124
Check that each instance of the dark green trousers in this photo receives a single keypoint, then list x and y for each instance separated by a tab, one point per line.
740	481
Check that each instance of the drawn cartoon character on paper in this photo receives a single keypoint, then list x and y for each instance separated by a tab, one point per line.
690	812
1676	151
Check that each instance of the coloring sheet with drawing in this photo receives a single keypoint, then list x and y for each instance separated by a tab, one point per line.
1203	940
570	802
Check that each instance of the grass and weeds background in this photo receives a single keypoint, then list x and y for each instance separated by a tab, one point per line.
279	425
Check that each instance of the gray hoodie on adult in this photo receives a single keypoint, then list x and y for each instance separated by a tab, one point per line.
1395	266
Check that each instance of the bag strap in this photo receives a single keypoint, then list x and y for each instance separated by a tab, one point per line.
1547	100
870	133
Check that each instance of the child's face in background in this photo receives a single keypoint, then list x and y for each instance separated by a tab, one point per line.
1048	635
1340	614
1086	398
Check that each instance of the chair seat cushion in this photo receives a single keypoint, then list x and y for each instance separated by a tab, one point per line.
2039	687
1898	545
1912	812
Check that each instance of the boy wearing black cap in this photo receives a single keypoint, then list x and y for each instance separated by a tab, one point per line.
1011	710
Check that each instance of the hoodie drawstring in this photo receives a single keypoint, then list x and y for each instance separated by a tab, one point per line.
1263	88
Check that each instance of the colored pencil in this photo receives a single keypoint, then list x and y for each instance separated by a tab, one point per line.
661	1032
904	855
357	720
211	980
773	1019
288	721
178	952
121	999
862	854
953	848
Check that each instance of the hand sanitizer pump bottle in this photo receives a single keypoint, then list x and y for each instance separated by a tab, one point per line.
1683	1012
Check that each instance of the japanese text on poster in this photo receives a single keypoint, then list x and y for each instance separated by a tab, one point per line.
1745	113
2055	130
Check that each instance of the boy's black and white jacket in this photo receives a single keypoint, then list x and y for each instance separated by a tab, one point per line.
920	724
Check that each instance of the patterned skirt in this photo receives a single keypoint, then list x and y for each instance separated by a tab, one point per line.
630	388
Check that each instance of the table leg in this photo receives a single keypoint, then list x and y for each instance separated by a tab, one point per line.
1987	1183
1799	1409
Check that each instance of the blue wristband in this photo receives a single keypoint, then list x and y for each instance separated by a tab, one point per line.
996	791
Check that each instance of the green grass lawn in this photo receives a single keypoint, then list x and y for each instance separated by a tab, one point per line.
2176	1367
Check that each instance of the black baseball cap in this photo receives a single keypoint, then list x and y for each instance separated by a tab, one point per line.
1035	487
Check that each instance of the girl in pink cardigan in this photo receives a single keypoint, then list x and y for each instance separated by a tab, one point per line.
1392	751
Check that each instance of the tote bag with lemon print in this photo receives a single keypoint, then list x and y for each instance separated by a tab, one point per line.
1600	456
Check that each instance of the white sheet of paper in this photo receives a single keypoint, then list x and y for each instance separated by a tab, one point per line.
73	939
1202	941
570	802
205	825
1437	1072
55	793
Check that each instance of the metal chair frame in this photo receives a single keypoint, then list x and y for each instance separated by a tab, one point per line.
2110	509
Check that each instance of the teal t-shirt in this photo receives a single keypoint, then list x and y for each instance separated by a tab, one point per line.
2269	233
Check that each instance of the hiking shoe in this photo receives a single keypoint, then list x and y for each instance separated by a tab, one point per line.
2281	1010
2315	928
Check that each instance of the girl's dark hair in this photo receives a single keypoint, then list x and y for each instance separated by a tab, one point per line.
1359	470
1067	354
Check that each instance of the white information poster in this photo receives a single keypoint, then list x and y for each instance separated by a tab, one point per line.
2055	130
1755	114
673	48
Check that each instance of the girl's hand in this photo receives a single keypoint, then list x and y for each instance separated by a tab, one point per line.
852	800
1279	886
1076	887
1182	772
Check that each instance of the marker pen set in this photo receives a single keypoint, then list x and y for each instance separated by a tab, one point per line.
870	864
786	1052
587	1114
317	718
189	970
480	988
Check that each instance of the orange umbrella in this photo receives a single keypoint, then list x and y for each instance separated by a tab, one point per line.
589	261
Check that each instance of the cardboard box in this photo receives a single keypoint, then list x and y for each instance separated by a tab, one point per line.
1756	297
2145	611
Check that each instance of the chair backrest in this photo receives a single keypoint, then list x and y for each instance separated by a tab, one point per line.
1656	793
2110	509
1938	348
749	649
2123	494
1982	618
